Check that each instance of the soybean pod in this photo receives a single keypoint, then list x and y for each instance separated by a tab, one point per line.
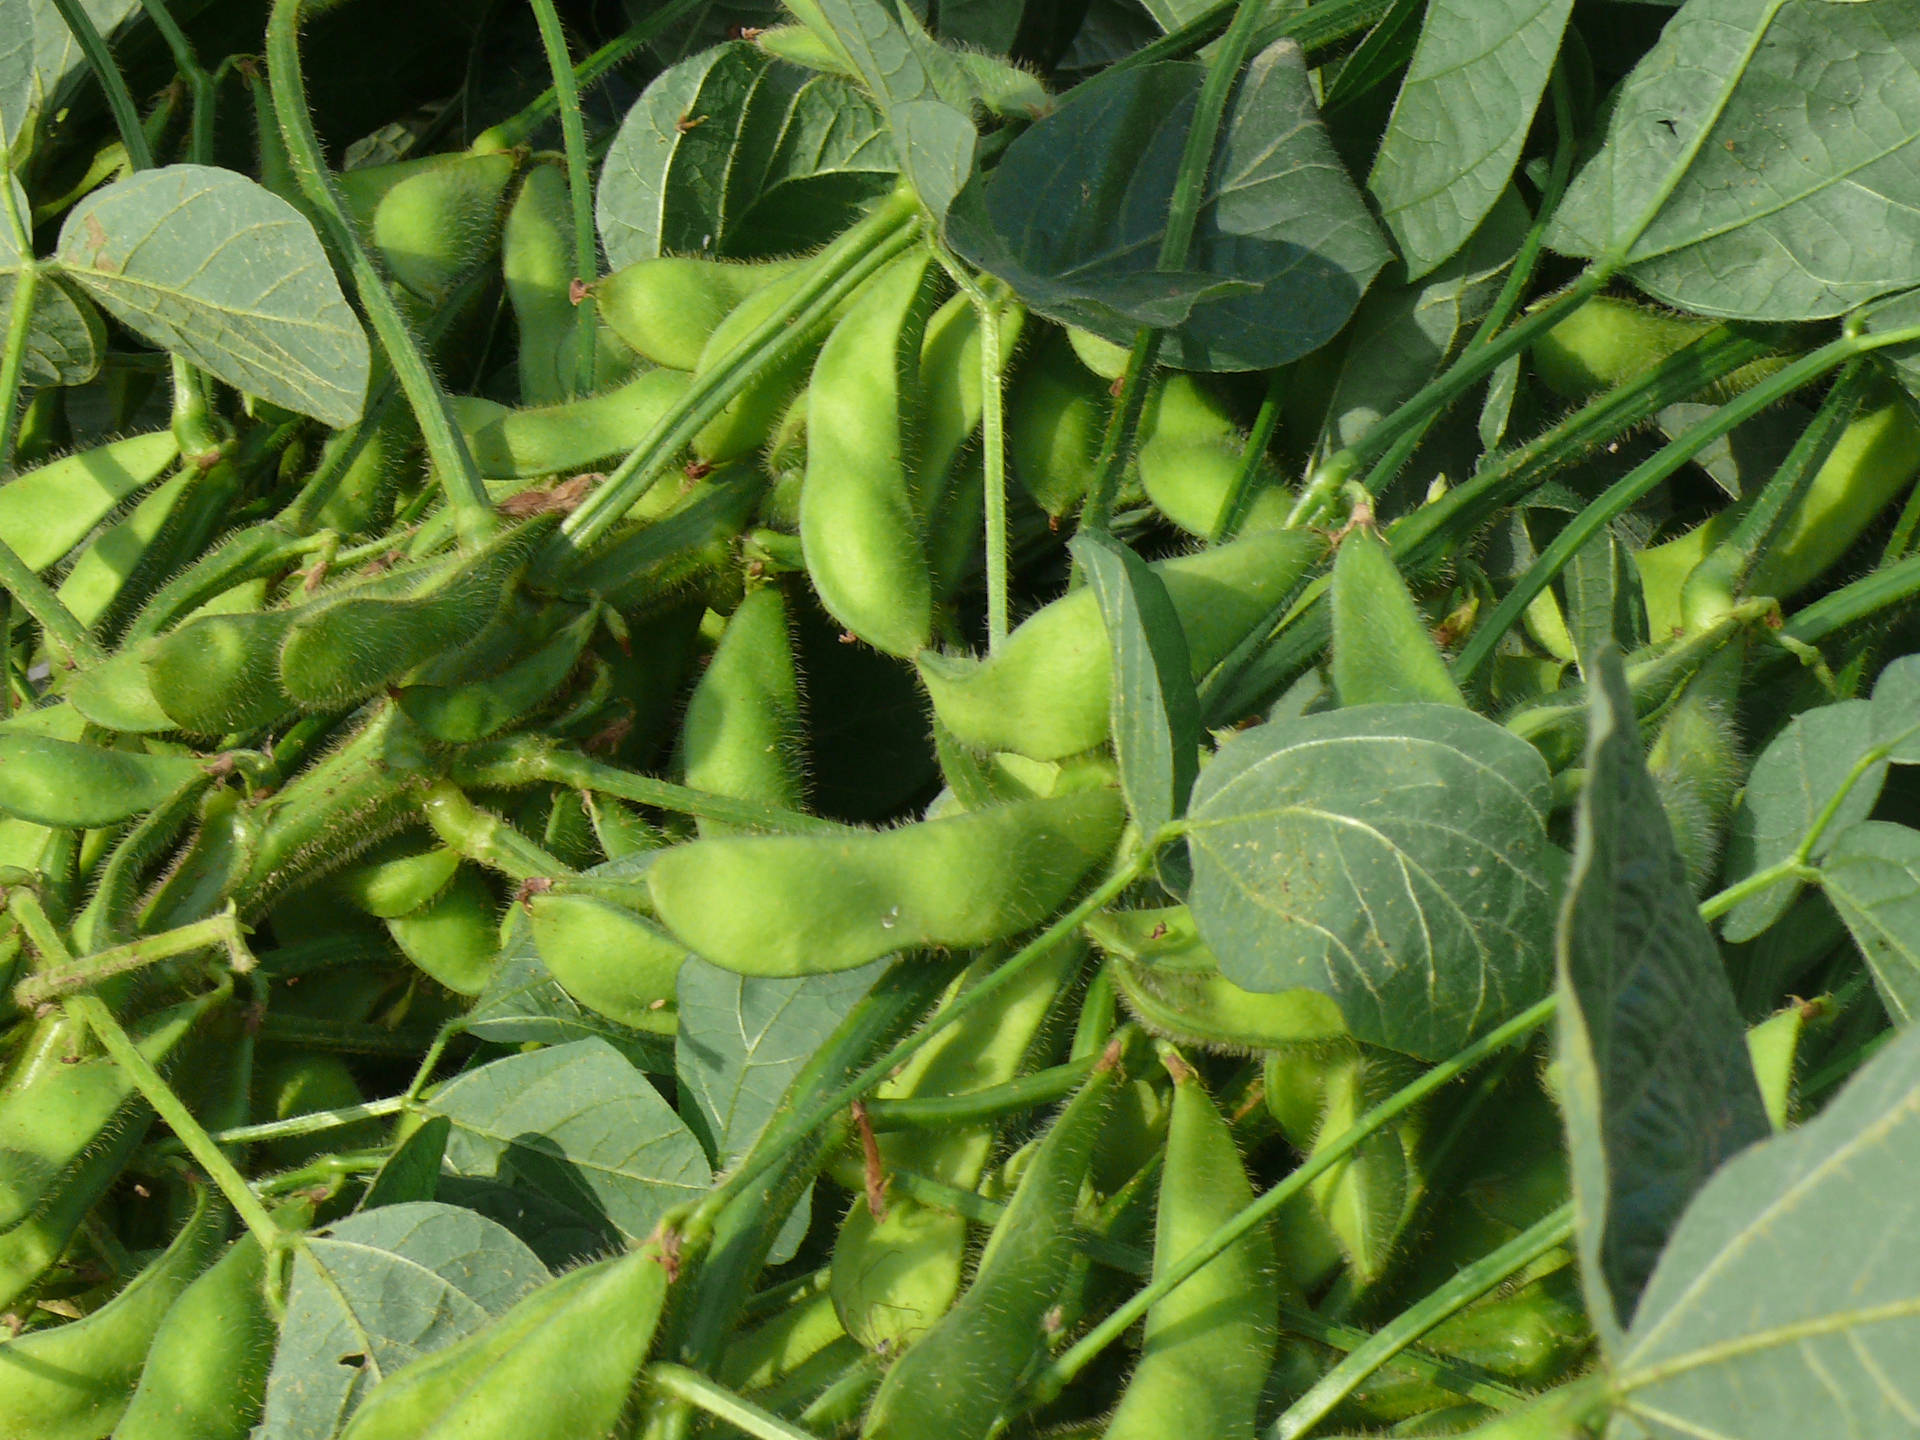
742	733
537	260
667	308
1382	653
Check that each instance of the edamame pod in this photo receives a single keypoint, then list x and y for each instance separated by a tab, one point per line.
955	1379
746	422
29	1249
455	937
1056	414
1047	693
115	695
858	528
299	1082
1608	341
950	393
667	308
102	570
801	905
403	875
436	224
1102	357
537	262
344	650
45	512
66	785
1209	1343
608	958
592	1326
461	714
576	434
1191	481
73	1382
653	566
779	1344
1382	653
220	674
742	733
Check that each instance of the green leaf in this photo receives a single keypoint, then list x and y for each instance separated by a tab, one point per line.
1759	161
1156	712
730	153
1872	876
1462	116
40	59
1658	1087
579	1125
1896	710
1394	857
211	266
990	25
66	335
377	1290
412	1171
1283	249
1791	784
1785	1305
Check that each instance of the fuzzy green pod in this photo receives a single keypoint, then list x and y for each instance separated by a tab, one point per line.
858	528
291	1082
455	936
438	223
1608	341
1382	653
65	784
805	904
1047	693
608	958
575	434
742	733
115	695
401	876
652	566
205	1376
668	307
342	650
1697	765
1183	409
748	420
29	1250
536	260
74	1381
778	1345
1102	357
45	512
1191	481
1056	414
951	397
556	1366
220	674
955	1379
102	569
458	714
1209	1343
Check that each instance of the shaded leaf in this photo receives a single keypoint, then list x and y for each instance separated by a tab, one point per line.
1790	785
1156	712
1896	710
1658	1088
1464	110
66	336
1282	250
218	269
1872	876
581	1126
40	60
1785	1304
412	1171
1394	857
1760	161
377	1290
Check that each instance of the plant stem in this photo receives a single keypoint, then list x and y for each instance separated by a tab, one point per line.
1390	1339
573	138
446	447
483	837
696	1389
1233	512
993	444
973	1107
126	118
314	1122
13	362
55	620
221	931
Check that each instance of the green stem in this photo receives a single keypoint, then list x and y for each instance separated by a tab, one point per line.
696	1389
13	362
1233	513
200	87
834	274
218	931
169	1107
1116	442
485	838
1061	1372
314	1122
446	447
573	138
56	621
973	1107
126	118
1861	600
1390	1339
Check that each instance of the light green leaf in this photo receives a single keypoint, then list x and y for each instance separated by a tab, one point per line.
1787	1304
1394	857
1283	249
1790	785
1462	116
1896	710
1760	161
1156	712
1872	876
579	1125
207	264
1658	1087
376	1290
66	336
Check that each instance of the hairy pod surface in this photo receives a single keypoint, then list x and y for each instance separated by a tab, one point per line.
668	307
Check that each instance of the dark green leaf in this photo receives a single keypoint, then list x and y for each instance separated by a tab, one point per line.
412	1171
1464	110
1896	710
1872	876
1658	1087
66	336
1282	251
219	270
1394	857
1156	713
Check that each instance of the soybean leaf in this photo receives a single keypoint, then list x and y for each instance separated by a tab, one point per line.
1760	161
377	1290
412	1171
1784	1305
1464	110
524	1005
1658	1086
1896	710
731	153
1790	785
991	25
579	1125
1872	876
40	59
207	264
65	336
1156	712
1282	251
1394	857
